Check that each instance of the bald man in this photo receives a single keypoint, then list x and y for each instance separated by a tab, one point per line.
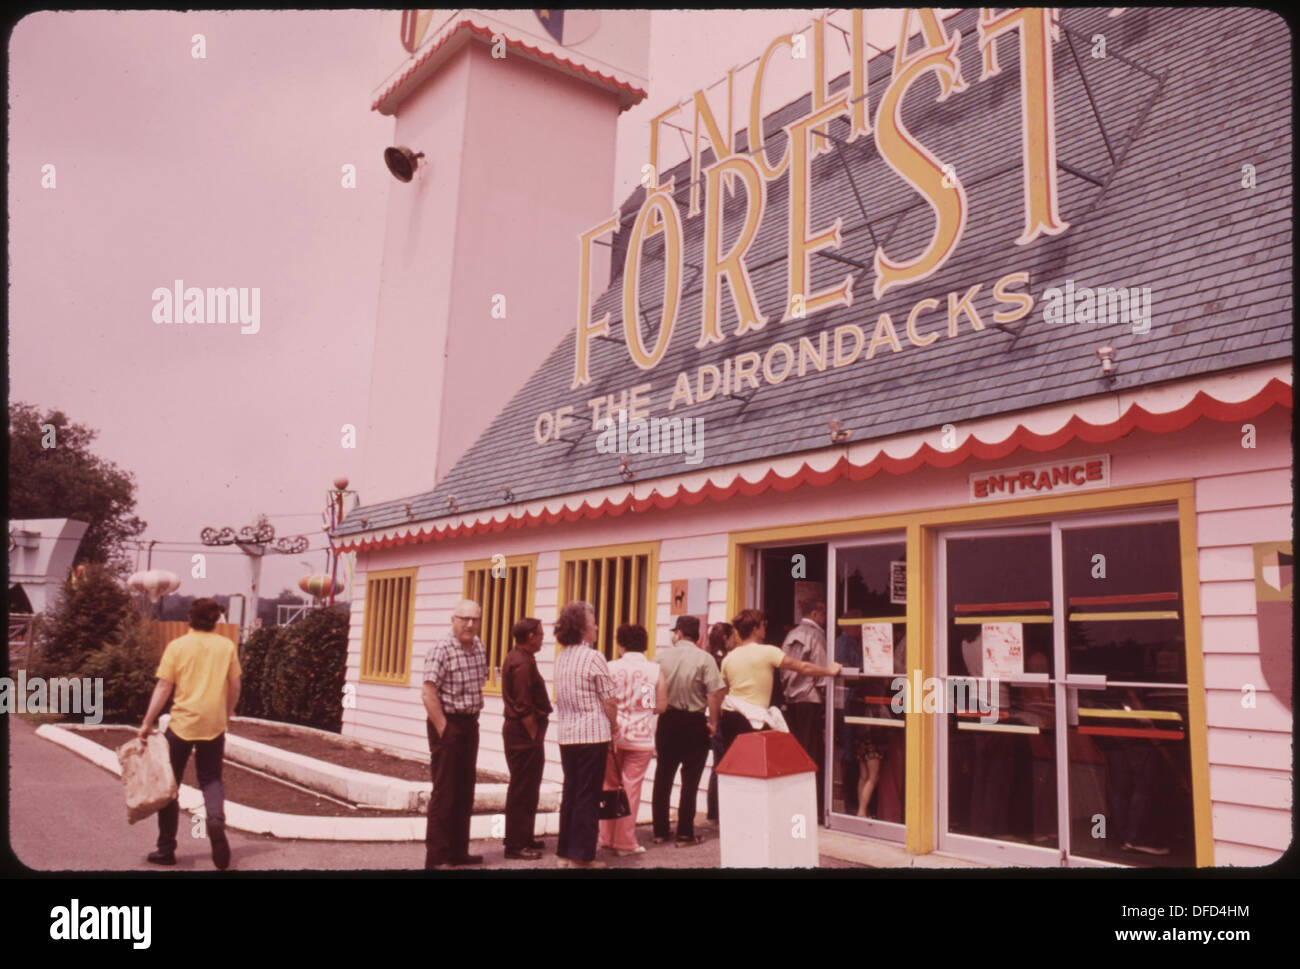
455	668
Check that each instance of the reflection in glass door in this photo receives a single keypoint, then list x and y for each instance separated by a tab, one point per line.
867	603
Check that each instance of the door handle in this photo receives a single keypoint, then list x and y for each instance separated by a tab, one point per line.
1087	681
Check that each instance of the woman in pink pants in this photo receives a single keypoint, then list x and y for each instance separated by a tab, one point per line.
642	696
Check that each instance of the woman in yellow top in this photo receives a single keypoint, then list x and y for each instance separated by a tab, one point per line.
749	668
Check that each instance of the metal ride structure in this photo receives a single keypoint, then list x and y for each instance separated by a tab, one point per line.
254	541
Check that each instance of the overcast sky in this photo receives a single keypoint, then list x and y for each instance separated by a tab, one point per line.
225	171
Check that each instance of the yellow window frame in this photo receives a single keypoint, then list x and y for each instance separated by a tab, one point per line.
574	584
503	605
388	627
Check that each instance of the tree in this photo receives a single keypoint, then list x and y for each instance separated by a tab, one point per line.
97	630
53	474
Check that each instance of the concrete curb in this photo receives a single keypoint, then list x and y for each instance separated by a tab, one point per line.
300	826
362	787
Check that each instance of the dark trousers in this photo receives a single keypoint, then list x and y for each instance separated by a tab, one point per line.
525	757
584	776
732	725
681	740
453	760
207	762
807	722
715	744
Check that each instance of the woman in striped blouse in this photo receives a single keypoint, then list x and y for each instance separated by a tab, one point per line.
586	708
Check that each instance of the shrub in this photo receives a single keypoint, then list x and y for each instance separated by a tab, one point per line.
254	658
295	673
96	629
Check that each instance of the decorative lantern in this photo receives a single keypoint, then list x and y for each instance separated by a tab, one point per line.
155	583
320	585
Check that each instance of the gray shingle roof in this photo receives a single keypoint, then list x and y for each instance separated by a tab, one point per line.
1174	217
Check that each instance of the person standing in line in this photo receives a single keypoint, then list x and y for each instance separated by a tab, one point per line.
805	700
641	697
694	686
587	712
455	668
526	709
722	640
202	668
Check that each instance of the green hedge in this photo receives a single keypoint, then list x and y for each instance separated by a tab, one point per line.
295	673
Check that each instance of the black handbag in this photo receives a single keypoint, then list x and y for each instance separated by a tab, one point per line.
614	804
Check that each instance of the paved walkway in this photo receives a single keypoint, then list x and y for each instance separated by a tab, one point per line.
66	814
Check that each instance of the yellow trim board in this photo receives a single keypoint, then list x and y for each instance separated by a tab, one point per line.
1130	714
895	620
877	721
1018	508
981	620
1197	729
1119	616
998	728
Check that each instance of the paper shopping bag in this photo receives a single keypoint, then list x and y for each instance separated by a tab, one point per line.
146	775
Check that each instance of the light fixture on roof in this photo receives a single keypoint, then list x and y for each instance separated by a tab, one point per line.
839	433
1105	354
407	506
625	470
451	503
402	162
507	493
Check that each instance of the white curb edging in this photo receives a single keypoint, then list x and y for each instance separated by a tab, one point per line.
257	821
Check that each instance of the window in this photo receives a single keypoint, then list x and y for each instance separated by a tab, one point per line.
620	582
389	619
505	597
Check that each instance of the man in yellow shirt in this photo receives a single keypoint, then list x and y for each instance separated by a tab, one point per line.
203	669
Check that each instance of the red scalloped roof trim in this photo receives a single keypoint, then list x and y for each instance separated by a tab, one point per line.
588	72
1274	394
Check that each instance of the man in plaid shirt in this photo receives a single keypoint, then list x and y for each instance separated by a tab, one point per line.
455	669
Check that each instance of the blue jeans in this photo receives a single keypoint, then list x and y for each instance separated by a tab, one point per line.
207	762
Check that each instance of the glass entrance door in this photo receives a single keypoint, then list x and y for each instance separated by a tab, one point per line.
1061	653
867	610
1129	779
995	655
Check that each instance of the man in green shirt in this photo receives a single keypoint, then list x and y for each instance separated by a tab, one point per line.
682	735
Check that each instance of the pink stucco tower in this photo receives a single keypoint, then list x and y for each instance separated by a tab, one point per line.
515	113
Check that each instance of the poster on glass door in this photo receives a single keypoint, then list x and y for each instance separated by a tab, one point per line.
1003	646
878	649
